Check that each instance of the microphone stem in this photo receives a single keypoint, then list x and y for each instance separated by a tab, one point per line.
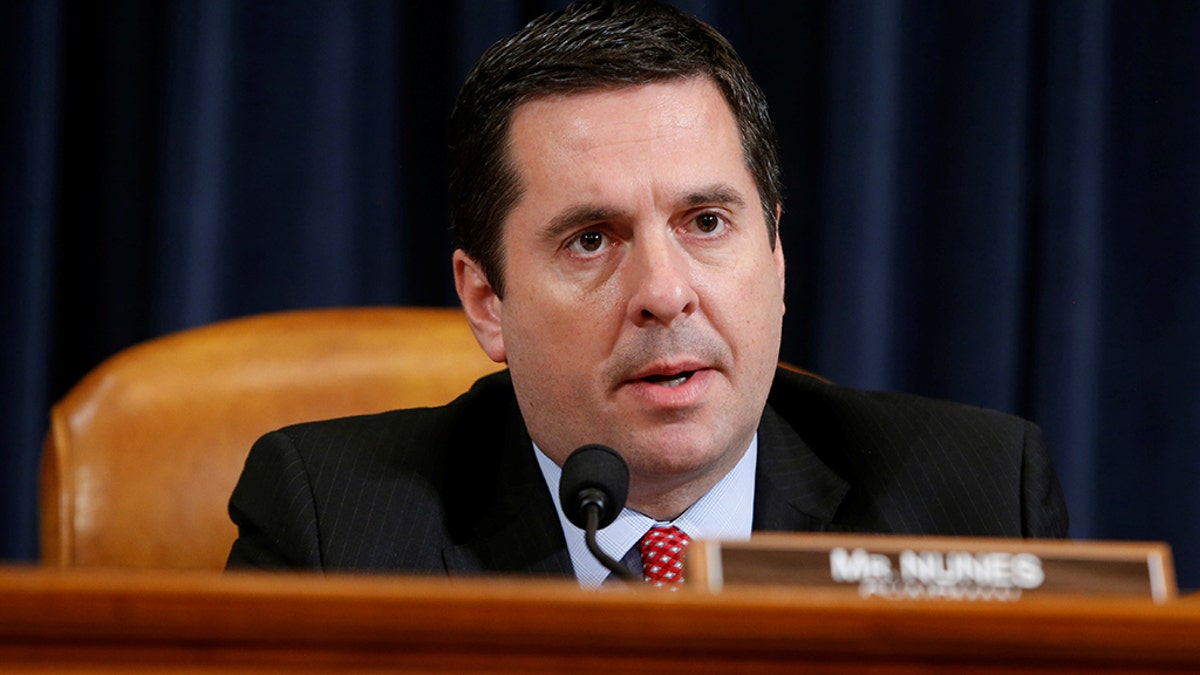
589	535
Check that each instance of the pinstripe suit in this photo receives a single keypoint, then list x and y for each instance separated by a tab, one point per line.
457	489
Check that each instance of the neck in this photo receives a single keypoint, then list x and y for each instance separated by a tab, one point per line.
665	496
665	500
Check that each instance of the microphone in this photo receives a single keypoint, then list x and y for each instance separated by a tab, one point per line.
592	490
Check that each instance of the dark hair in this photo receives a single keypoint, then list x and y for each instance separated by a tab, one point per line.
588	45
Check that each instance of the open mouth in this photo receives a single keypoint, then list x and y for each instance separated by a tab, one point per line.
669	380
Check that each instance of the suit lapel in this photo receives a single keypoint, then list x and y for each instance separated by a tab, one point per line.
516	528
795	491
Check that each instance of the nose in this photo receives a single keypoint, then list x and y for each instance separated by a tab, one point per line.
662	284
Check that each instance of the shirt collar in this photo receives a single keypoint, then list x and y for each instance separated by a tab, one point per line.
725	512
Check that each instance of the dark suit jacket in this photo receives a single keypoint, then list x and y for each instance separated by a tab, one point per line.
456	489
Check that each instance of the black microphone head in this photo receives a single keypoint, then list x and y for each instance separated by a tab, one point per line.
593	474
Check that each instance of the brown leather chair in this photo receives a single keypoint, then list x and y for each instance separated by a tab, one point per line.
143	453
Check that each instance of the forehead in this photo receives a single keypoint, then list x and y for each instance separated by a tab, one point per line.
599	142
621	111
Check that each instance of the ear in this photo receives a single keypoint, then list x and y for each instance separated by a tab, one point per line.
481	305
780	268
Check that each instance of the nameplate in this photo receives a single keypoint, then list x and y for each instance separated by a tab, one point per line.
946	568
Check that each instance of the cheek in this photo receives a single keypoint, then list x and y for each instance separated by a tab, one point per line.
750	309
747	286
548	337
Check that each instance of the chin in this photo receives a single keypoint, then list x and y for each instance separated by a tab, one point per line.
674	456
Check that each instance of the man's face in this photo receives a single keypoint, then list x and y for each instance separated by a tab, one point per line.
643	302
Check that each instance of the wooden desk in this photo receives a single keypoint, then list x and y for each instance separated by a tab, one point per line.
89	621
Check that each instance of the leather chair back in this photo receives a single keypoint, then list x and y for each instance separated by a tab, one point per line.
143	453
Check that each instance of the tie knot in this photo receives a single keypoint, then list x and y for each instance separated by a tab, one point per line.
662	550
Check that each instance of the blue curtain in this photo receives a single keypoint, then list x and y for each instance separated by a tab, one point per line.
994	202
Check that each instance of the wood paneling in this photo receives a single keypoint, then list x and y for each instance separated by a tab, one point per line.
140	621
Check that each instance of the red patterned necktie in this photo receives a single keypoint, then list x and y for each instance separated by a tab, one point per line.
662	552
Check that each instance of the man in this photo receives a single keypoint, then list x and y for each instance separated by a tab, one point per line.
616	198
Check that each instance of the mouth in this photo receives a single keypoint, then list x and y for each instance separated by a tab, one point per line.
677	387
669	380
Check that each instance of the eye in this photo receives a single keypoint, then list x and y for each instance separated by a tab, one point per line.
709	223
588	242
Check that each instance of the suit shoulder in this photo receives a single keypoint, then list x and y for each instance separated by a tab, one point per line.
368	491
921	465
411	433
856	430
797	396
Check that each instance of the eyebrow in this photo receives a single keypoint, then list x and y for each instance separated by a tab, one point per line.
576	216
718	194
